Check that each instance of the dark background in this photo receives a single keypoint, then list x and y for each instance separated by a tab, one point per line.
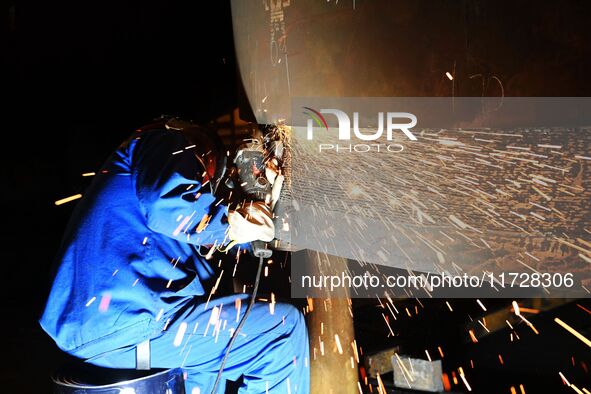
79	77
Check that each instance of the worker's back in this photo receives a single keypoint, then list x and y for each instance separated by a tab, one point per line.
129	256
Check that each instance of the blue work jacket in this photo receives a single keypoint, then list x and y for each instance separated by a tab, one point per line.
132	252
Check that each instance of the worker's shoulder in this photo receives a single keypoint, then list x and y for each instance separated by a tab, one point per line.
170	126
158	134
165	135
169	123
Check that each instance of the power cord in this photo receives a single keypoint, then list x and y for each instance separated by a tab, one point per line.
242	321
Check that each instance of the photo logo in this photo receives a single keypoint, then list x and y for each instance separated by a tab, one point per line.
345	124
318	118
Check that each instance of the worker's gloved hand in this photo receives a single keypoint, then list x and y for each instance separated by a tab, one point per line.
251	222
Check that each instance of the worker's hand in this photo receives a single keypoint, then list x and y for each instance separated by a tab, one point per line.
251	222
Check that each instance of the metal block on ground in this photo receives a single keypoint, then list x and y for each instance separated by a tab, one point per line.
417	374
380	362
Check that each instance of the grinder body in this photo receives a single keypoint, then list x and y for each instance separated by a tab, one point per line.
250	163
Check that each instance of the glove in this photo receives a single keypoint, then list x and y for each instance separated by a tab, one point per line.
251	222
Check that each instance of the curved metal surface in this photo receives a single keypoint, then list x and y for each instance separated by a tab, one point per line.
297	48
395	48
478	185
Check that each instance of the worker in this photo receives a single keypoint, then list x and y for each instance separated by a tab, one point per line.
133	267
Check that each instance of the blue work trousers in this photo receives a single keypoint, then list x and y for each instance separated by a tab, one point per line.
271	351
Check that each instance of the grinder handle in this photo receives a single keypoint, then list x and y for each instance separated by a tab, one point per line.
259	249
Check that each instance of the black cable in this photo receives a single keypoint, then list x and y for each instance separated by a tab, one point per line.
242	321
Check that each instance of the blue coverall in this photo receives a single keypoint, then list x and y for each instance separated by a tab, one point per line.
130	270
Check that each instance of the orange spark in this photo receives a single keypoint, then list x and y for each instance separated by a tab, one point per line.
573	331
68	199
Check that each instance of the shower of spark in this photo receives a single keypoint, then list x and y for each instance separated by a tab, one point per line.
504	197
